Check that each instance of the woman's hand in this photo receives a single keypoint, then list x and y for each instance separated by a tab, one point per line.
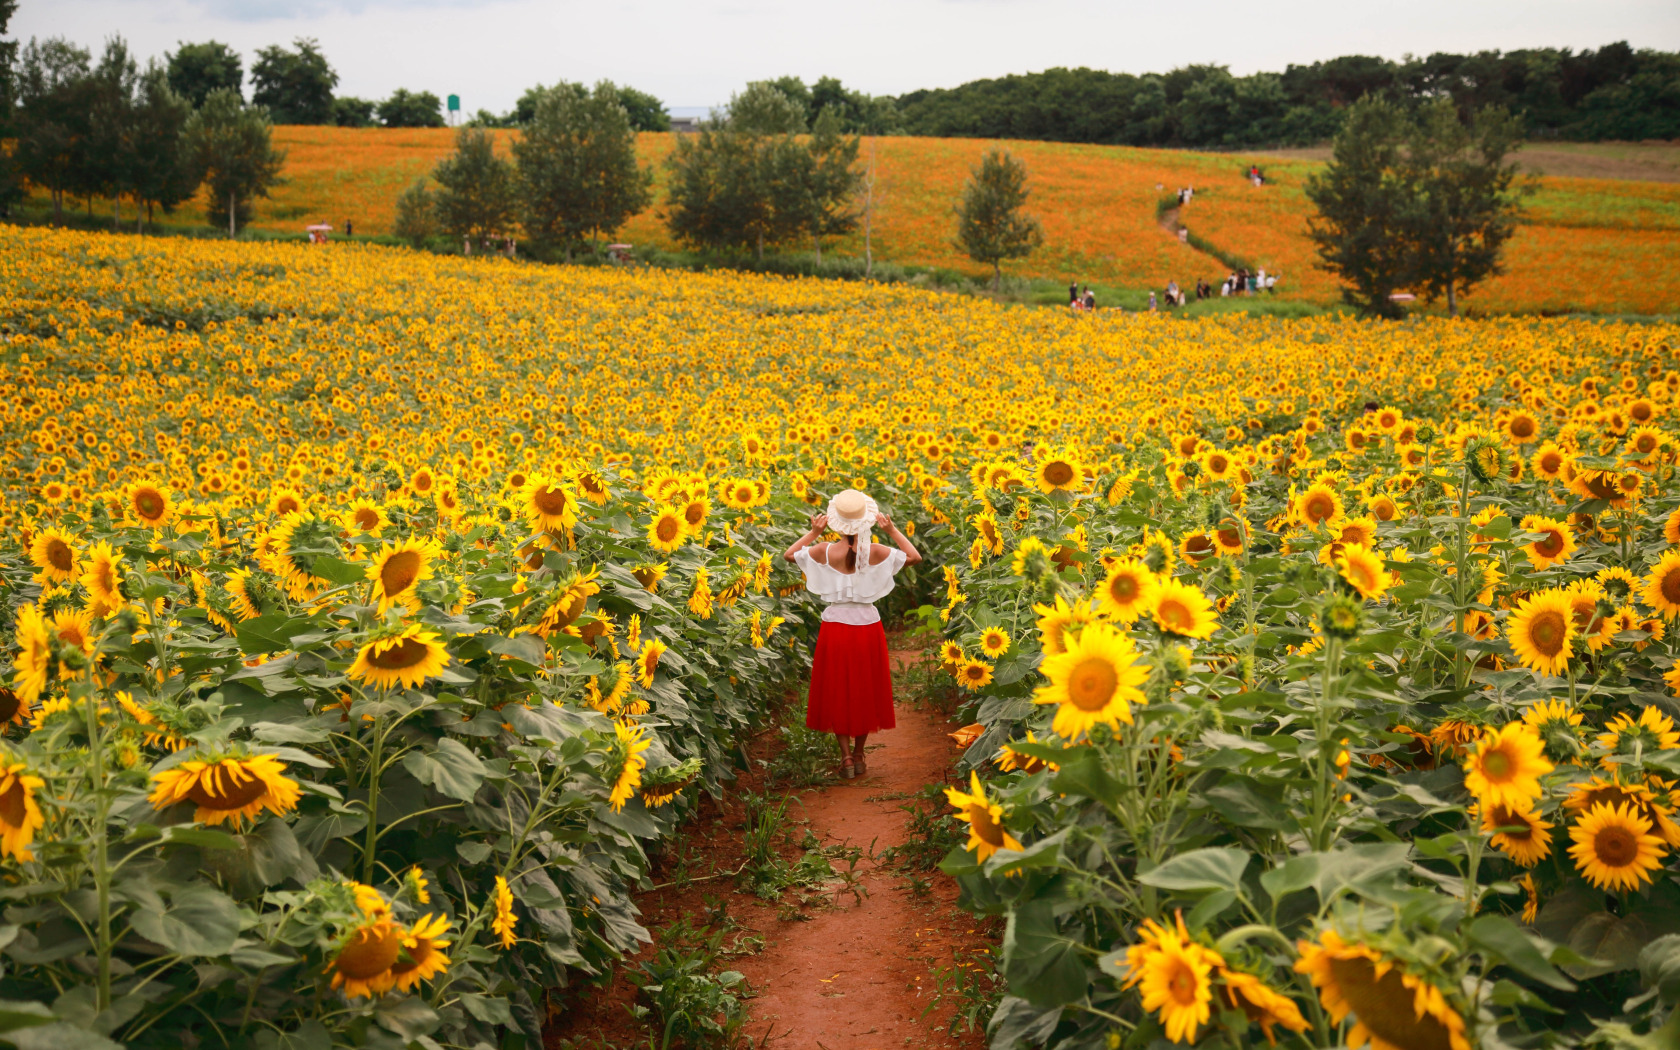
819	524
883	521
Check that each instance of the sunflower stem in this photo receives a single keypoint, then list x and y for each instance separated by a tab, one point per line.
101	856
371	847
1324	793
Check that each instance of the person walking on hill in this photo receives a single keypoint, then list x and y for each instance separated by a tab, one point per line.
851	681
1073	294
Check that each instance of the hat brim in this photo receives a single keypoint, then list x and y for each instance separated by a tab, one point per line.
853	526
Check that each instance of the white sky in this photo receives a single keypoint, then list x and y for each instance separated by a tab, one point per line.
695	53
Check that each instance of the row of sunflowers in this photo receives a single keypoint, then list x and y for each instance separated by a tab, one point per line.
374	614
1358	726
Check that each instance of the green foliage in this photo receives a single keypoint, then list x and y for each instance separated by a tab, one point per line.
577	172
352	112
1614	92
693	1008
410	109
646	112
231	143
476	197
295	85
805	758
1418	201
990	224
195	70
160	170
416	220
970	988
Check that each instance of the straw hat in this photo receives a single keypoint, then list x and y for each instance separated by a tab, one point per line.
851	513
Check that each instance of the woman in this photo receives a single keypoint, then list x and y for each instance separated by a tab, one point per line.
851	682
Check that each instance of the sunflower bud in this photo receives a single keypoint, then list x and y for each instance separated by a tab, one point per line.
1342	616
1486	458
1425	435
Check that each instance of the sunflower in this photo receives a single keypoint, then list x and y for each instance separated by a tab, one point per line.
1095	680
103	578
20	814
422	955
986	833
34	660
363	964
1317	505
51	552
1549	461
284	502
365	517
549	504
1530	842
1555	545
148	504
974	674
1182	608
1127	592
1009	759
74	628
1059	473
1614	848
1363	570
649	575
1264	1006
1662	585
1558	726
950	654
1392	1008
404	659
1506	767
666	532
994	642
1522	427
631	741
1541	631
1228	537
229	789
647	661
1624	735
239	587
1177	984
1054	622
396	569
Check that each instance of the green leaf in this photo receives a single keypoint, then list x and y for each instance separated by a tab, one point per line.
337	570
1210	908
526	647
59	1037
1292	876
1507	943
491	1009
1082	774
450	768
473	852
408	1017
270	633
203	838
201	921
1659	967
16	1014
310	1035
281	733
1041	963
1214	868
1510	993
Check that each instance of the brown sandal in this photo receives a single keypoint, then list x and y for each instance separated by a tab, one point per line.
847	769
861	766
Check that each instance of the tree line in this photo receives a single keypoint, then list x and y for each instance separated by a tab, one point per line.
1614	92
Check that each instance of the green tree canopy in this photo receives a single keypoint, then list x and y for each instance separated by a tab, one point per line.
162	173
296	86
476	196
991	226
55	103
231	143
11	187
352	112
411	109
1422	201
577	169
195	70
646	112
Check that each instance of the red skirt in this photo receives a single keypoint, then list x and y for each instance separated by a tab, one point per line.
851	681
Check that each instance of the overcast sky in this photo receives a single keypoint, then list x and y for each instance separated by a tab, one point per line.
696	52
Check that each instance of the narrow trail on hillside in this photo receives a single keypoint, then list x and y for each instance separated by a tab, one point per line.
856	977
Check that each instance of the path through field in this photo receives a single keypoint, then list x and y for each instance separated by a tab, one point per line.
826	971
857	977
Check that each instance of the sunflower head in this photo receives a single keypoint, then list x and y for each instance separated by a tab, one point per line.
227	788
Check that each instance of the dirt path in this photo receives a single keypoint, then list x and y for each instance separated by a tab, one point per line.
824	973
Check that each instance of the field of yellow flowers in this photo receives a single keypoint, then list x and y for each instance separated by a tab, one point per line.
1594	245
371	614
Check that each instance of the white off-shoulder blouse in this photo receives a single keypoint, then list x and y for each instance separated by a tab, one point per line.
849	597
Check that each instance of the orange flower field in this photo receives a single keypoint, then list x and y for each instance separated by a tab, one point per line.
1597	245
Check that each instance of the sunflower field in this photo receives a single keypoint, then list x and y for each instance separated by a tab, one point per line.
371	615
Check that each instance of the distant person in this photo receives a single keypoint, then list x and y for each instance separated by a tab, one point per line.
1271	282
349	228
1151	302
1073	294
1090	299
1174	296
1260	280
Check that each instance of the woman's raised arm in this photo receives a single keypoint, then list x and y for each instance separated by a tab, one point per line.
819	525
911	554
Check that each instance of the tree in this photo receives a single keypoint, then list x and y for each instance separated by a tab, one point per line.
408	109
11	187
232	143
55	104
161	171
990	224
1423	201
105	156
576	161
295	86
646	112
475	199
1466	209
416	220
195	70
748	179
1365	202
351	112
